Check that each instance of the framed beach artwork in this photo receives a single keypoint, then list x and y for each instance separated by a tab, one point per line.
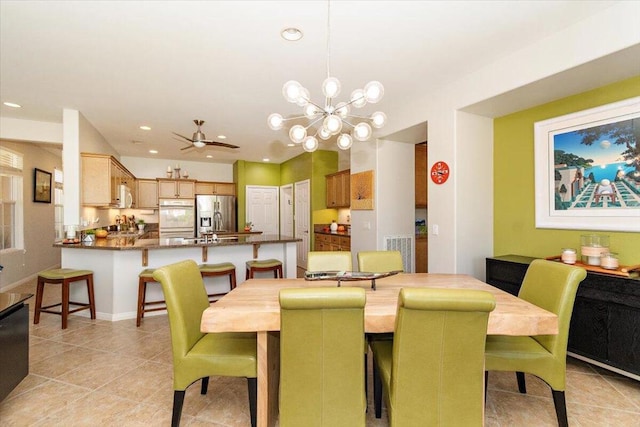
41	186
587	169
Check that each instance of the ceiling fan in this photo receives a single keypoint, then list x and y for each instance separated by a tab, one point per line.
199	140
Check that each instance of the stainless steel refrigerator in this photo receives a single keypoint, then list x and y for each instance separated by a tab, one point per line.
215	214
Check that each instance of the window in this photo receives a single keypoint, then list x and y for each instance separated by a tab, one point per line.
58	200
11	200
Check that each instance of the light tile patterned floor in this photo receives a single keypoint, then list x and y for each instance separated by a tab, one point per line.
114	374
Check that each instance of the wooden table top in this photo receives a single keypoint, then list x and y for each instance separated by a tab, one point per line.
253	306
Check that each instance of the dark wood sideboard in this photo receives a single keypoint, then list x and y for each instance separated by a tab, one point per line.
14	341
605	326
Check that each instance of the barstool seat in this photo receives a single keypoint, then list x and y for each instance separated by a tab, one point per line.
222	269
64	276
255	265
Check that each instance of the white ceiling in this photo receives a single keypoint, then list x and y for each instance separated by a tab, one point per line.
129	63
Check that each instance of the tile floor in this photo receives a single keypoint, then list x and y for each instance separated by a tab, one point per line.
114	374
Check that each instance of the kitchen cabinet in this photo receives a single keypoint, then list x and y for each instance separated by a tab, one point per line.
217	188
332	242
100	175
176	188
339	189
421	254
147	194
421	175
605	324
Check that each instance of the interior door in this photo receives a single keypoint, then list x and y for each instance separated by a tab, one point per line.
302	222
262	208
286	210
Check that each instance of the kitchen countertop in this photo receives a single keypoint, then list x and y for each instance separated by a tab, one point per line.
136	243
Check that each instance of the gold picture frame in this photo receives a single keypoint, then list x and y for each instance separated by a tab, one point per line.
362	191
41	186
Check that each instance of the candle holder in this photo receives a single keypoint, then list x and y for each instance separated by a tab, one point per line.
185	174
176	173
593	246
169	174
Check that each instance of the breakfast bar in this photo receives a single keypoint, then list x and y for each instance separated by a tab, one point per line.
116	263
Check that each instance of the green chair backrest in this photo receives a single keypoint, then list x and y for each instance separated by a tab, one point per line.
186	299
329	261
553	286
321	360
437	374
380	261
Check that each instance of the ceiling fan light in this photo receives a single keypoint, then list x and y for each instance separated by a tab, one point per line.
342	109
297	133
373	91
291	91
275	121
345	141
362	131
333	124
358	99
198	144
310	144
331	87
378	119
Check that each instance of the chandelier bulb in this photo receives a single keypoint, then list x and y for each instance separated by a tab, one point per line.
362	131
310	144
345	141
303	97
297	133
333	124
324	133
331	87
378	119
310	111
275	121
358	99
342	109
373	91
291	91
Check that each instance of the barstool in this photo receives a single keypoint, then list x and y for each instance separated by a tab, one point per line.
64	276
222	269
264	265
146	276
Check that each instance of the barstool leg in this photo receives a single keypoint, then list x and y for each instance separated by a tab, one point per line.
92	298
232	279
142	291
39	292
65	303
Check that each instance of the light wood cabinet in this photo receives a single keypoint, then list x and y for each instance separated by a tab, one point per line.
147	194
217	188
328	242
422	255
176	188
339	189
100	175
421	175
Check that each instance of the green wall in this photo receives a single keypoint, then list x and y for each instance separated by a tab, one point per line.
514	206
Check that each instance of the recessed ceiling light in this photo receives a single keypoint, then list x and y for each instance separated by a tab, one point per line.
12	105
291	34
209	156
265	159
136	142
222	137
145	128
291	144
153	151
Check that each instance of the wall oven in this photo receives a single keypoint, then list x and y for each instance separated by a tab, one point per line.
177	218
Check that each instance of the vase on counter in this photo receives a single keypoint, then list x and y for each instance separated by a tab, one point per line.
334	226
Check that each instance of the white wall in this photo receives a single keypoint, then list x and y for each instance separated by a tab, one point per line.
157	168
30	130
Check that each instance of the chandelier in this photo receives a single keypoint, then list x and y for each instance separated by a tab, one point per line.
332	118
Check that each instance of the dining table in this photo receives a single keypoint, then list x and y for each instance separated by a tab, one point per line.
253	306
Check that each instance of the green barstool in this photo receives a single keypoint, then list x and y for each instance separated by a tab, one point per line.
64	276
255	265
222	269
146	276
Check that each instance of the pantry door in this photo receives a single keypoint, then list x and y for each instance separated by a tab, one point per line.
262	208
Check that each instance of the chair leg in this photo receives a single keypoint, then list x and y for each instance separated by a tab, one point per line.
252	384
204	386
522	386
377	390
486	383
39	293
366	384
561	408
178	400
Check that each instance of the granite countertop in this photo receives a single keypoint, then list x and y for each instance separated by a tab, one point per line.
136	243
324	229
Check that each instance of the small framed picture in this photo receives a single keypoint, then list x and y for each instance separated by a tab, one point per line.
41	186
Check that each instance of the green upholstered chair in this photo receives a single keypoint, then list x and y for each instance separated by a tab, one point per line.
321	364
432	371
552	286
329	261
380	261
197	355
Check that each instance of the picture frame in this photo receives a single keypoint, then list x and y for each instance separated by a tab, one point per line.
362	191
587	169
41	186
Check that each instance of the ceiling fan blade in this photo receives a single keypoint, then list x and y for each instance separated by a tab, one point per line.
187	147
181	136
221	144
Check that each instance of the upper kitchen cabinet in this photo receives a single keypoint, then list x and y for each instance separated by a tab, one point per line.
421	175
216	188
339	189
147	193
101	174
176	188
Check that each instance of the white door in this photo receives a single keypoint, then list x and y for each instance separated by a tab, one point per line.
302	223
262	208
286	210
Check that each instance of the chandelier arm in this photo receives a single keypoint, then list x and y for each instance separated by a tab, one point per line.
314	122
360	117
353	100
293	118
346	122
315	105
